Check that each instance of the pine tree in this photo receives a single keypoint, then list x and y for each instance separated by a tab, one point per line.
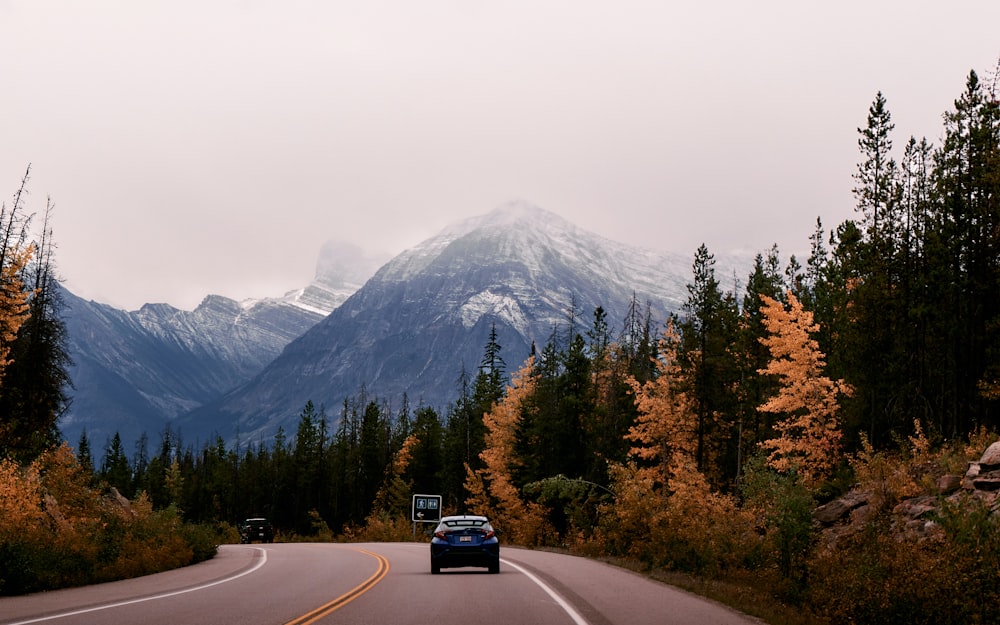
562	405
83	453
15	255
487	389
875	305
824	294
708	330
373	450
33	355
425	459
459	442
876	177
613	408
465	432
816	266
281	480
308	454
636	341
967	185
492	366
36	380
915	282
115	469
752	388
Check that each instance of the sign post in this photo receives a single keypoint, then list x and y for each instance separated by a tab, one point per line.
425	509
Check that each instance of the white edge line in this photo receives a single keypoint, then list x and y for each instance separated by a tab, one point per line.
573	614
119	604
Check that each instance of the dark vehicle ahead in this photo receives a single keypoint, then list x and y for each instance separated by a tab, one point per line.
257	528
465	540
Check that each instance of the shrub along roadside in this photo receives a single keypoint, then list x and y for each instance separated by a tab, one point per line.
57	530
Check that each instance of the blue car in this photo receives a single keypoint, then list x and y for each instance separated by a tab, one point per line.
465	540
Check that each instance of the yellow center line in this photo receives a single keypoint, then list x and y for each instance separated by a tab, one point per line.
347	597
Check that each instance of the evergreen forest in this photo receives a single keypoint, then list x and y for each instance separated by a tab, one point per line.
700	444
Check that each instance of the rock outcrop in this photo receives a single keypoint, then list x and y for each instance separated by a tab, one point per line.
915	515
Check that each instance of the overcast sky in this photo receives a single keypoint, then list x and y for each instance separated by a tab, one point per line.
212	146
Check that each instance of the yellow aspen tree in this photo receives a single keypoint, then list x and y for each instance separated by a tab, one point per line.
492	490
13	300
663	438
405	453
20	498
14	257
809	433
389	493
666	509
66	481
665	432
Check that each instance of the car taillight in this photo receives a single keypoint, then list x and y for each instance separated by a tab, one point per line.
441	535
488	535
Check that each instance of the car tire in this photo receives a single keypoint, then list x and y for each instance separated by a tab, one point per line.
435	569
495	567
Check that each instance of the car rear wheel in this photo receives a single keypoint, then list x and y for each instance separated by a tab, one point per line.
435	569
495	567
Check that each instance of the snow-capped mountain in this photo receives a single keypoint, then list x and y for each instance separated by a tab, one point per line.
135	372
426	315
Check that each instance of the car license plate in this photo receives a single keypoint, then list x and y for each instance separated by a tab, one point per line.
465	539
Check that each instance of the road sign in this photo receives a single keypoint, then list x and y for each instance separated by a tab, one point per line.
426	509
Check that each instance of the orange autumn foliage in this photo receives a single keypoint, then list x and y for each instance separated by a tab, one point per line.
665	431
20	495
666	512
13	299
491	489
809	433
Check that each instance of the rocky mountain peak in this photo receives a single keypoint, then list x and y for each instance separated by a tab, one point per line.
427	313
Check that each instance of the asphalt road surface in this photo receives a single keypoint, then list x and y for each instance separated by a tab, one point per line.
376	583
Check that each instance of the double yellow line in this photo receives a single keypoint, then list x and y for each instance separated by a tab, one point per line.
347	597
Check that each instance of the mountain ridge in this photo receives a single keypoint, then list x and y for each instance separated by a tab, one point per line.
135	372
407	327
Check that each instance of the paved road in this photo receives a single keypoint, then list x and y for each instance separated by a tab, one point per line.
380	584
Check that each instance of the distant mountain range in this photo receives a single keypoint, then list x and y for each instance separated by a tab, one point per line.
135	372
243	369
